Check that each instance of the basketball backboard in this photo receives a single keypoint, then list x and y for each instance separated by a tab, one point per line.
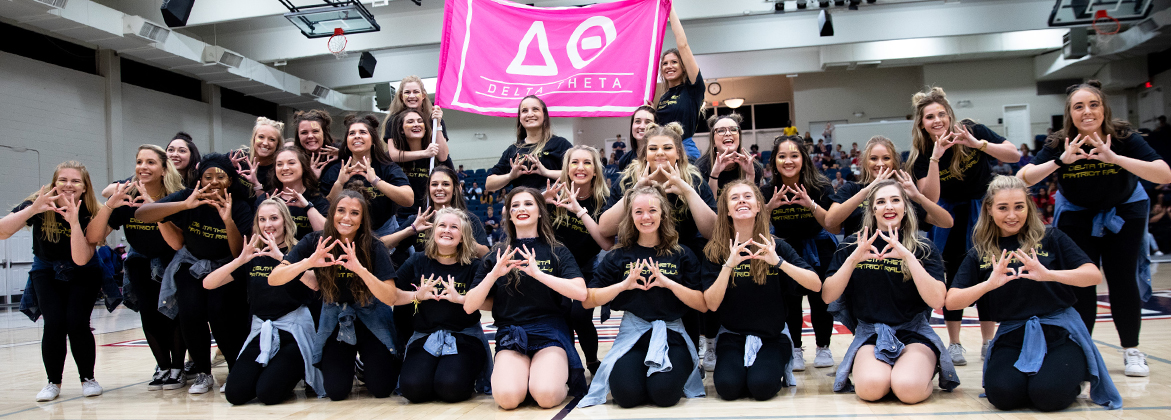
1083	12
320	20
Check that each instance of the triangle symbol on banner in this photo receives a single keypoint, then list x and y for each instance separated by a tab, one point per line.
537	31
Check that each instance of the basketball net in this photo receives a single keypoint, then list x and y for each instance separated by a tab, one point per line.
1105	28
337	43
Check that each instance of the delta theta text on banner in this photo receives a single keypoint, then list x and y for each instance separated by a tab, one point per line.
595	61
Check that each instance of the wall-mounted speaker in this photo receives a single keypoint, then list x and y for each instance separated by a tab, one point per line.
176	12
366	65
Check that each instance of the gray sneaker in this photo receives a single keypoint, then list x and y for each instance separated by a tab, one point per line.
984	350
798	359
824	358
203	383
175	380
957	354
157	381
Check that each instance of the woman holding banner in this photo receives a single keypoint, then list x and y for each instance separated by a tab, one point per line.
409	143
683	100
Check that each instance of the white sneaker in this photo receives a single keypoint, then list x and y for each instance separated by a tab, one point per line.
824	358
223	387
49	392
709	355
1136	363
90	388
798	359
957	354
984	350
203	383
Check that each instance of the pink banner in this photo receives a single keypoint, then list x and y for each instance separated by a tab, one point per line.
594	61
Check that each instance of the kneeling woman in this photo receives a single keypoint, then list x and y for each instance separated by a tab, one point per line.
346	257
751	289
527	276
889	280
653	359
273	359
1024	274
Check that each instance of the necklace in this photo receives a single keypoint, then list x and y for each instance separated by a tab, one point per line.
447	255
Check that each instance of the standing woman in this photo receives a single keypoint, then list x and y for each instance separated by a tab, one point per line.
346	258
274	358
575	204
952	164
65	277
682	101
182	152
409	141
413	94
154	178
213	217
447	355
1024	275
729	160
266	139
313	138
364	160
536	155
297	188
797	200
642	117
755	344
527	277
653	281
1099	188
889	281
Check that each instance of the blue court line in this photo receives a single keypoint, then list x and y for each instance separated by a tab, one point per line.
1159	359
568	407
868	415
70	399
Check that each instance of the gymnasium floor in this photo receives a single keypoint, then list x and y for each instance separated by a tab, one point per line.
124	365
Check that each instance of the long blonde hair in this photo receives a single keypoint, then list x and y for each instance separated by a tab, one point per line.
628	234
50	230
868	174
673	131
598	184
290	226
921	139
718	251
986	235
265	122
465	251
908	227
172	179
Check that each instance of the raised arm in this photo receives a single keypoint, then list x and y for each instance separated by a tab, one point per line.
687	57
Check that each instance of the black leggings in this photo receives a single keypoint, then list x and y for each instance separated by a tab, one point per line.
225	308
270	384
1052	388
823	322
1117	254
337	364
762	380
66	306
582	321
162	333
631	387
447	378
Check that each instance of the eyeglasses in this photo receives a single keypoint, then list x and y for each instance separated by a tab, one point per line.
727	130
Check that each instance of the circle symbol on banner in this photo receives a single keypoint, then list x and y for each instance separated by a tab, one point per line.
590	43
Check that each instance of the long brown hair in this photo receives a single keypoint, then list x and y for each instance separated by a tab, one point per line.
49	229
319	116
712	154
809	177
717	250
544	227
921	139
457	193
986	235
1118	130
666	85
633	141
465	251
399	138
908	227
628	234
397	105
327	276
598	184
546	127
378	151
308	178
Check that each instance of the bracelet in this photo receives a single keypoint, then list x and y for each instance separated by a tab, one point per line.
375	183
581	214
983	146
713	177
935	159
107	206
413	228
726	265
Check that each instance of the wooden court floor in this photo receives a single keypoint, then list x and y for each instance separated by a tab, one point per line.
123	371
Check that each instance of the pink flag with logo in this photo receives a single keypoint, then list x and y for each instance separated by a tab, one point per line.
594	61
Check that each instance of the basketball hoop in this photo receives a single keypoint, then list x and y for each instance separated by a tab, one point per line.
1105	28
337	43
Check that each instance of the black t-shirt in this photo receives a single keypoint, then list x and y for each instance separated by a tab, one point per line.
681	213
756	309
263	175
658	303
53	251
572	232
1023	298
877	291
525	300
976	169
626	158
1098	185
301	214
419	239
272	302
204	232
731	172
419	174
853	222
144	237
380	263
550	157
794	222
381	206
681	104
435	315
